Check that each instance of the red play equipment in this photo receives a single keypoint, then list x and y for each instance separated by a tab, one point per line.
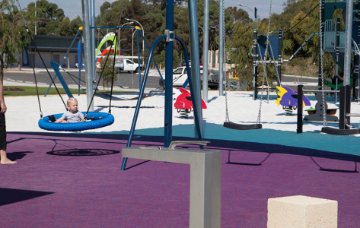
183	102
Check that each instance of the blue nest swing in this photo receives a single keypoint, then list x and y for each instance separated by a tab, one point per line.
93	120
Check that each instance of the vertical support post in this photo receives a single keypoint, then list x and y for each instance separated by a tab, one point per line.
139	56
205	180
348	41
206	51
300	109
92	49
347	106
279	60
169	50
80	65
255	66
88	60
221	48
342	108
205	192
321	35
337	53
356	90
195	66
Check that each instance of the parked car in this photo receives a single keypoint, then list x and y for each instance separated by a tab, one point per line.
127	65
77	65
122	64
180	76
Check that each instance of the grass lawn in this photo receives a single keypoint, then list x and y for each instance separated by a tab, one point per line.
31	91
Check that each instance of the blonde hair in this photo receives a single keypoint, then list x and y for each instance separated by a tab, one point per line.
70	100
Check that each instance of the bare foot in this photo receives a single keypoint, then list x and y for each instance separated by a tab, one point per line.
7	162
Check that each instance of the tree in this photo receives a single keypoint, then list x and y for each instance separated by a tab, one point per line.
50	19
13	34
239	29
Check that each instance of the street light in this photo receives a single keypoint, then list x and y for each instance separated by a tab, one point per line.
143	36
254	49
127	23
254	11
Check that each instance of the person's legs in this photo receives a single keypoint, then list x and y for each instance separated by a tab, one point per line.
3	157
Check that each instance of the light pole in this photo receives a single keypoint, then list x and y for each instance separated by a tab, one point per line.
254	11
132	54
254	50
35	20
121	27
143	37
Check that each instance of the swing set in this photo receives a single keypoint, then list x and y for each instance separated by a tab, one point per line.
262	48
93	119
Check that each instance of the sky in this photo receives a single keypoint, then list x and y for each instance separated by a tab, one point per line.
73	8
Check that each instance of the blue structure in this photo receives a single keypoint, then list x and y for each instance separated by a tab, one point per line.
169	38
55	66
331	9
274	46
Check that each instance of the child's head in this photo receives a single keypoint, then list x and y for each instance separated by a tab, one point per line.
72	105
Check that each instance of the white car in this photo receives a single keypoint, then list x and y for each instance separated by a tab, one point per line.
180	76
77	65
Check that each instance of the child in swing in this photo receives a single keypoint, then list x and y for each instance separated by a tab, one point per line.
73	114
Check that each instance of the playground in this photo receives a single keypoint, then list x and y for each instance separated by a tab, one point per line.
186	157
61	176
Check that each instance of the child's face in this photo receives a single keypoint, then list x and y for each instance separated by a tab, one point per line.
72	106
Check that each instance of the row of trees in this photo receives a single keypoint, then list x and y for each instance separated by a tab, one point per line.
297	21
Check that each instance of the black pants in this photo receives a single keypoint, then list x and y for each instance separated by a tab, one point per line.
2	132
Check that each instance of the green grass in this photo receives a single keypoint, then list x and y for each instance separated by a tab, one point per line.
31	91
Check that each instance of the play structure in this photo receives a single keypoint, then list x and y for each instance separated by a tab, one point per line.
104	53
241	126
334	15
342	45
183	103
57	67
288	99
170	37
93	119
266	49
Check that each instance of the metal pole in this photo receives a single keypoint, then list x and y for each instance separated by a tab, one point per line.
280	56
205	50
92	47
88	60
195	65
143	37
255	66
221	48
169	50
300	109
321	33
132	54
337	53
348	38
138	51
35	20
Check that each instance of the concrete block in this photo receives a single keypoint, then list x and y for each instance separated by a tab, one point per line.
302	212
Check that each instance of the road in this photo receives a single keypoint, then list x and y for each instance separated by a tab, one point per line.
123	80
26	77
